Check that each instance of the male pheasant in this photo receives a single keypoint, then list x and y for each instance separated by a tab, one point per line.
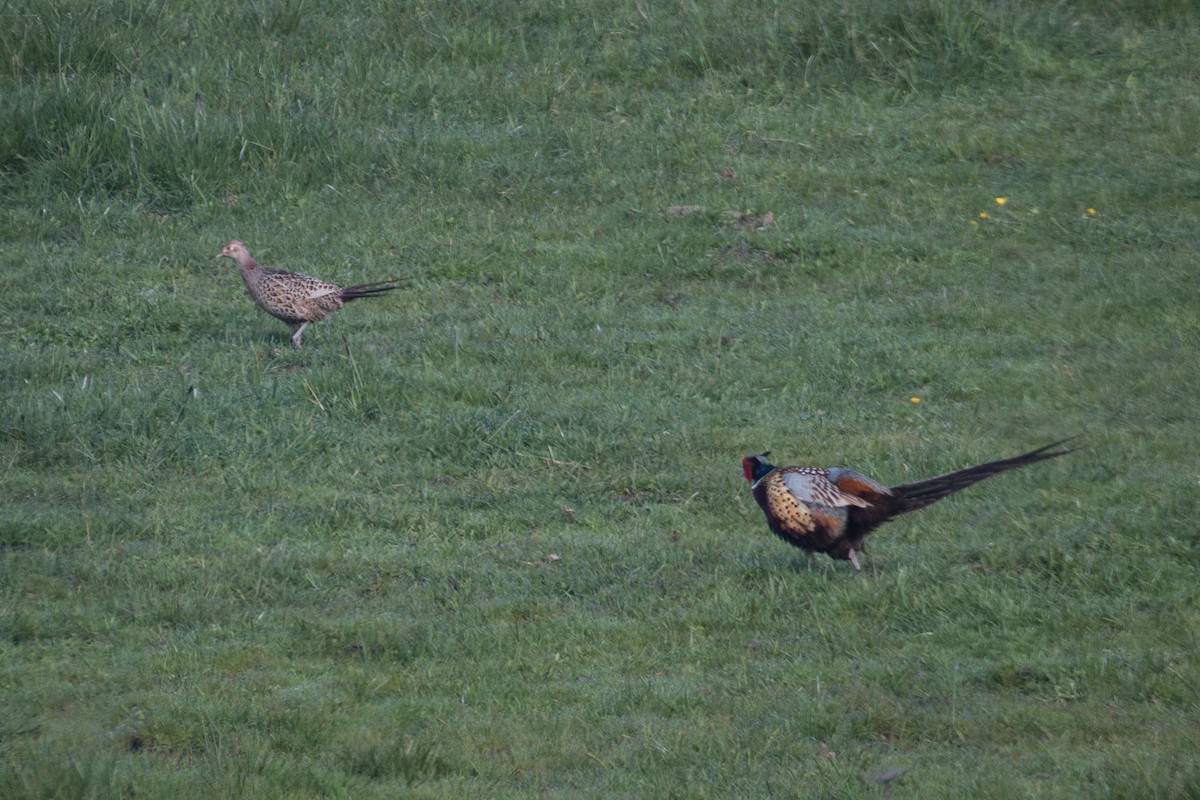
831	511
296	299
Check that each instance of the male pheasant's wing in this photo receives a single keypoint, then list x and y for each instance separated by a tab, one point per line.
855	484
821	487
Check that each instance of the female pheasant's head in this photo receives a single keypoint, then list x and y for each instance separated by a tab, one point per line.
237	251
754	467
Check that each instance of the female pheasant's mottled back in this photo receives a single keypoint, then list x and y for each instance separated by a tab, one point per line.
292	297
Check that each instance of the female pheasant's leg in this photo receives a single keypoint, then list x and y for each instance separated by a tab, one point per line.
296	335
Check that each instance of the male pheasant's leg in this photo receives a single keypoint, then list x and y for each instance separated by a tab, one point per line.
296	335
854	561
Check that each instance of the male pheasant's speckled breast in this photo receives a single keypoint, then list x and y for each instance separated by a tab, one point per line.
792	516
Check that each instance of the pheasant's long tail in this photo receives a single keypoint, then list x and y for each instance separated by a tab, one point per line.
367	290
911	496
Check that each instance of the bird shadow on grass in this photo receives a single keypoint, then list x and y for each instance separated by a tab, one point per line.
759	567
799	563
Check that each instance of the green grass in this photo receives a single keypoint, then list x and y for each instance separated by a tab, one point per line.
487	537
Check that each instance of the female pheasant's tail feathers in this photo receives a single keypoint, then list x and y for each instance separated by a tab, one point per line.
911	496
367	289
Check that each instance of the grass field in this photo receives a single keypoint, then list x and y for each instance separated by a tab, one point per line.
488	536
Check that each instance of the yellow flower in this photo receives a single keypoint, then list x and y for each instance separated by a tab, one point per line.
914	400
976	224
983	215
1001	201
1091	212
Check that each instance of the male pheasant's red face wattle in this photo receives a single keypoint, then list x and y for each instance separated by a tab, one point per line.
748	468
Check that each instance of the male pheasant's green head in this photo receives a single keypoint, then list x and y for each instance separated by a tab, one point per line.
754	467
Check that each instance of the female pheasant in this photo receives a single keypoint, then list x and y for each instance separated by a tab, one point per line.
296	299
831	511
